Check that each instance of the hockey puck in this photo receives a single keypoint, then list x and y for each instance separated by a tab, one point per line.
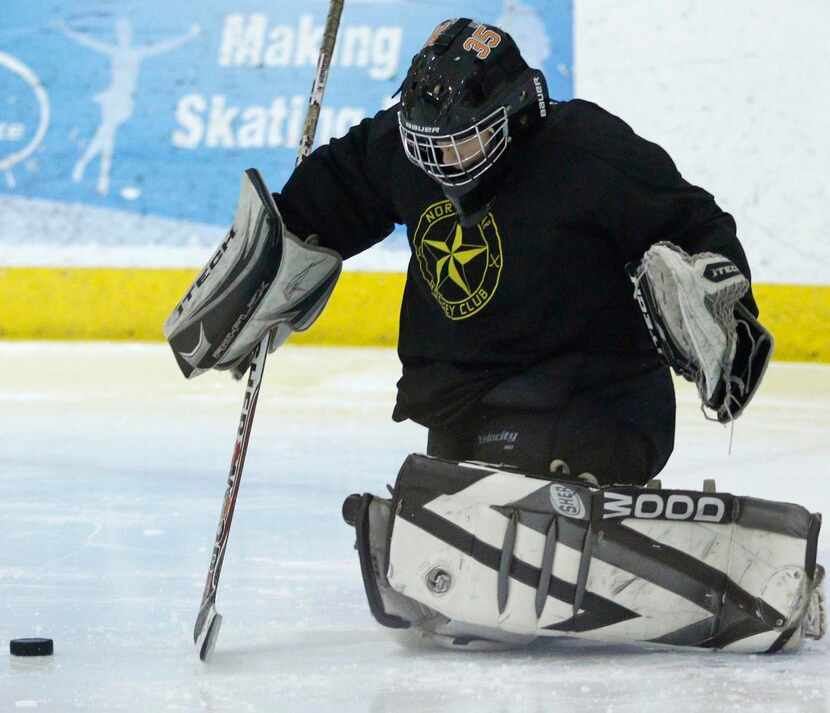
31	647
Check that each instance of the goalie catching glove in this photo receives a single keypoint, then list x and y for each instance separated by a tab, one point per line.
691	307
261	279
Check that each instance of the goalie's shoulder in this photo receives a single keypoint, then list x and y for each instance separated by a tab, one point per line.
597	133
380	132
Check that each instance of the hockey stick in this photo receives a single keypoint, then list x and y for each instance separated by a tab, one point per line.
209	621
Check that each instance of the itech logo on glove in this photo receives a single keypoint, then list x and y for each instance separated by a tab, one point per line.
720	271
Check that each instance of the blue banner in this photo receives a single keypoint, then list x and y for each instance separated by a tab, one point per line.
156	107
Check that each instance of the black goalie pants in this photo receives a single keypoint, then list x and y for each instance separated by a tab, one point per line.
621	434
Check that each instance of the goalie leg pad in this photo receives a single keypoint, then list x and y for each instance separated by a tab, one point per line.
372	519
504	552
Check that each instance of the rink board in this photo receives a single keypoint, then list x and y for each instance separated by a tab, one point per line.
132	304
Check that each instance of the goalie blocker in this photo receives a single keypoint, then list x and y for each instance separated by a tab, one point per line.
261	279
470	556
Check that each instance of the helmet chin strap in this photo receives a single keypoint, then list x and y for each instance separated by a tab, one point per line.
472	201
470	212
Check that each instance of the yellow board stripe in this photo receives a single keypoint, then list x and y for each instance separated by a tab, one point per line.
132	304
799	318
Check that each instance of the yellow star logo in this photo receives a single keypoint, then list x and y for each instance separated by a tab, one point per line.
455	256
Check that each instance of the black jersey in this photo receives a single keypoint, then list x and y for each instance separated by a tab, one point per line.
539	287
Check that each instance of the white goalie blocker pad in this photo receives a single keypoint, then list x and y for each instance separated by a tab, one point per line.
293	301
503	556
261	279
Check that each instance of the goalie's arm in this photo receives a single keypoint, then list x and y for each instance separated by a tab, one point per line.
341	192
686	215
728	373
646	199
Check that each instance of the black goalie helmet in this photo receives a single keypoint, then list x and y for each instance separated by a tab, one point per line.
466	95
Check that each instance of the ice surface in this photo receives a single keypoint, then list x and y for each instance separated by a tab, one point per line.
112	471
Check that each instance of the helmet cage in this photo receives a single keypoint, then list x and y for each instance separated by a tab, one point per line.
439	157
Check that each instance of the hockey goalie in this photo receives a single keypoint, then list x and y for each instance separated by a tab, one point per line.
561	267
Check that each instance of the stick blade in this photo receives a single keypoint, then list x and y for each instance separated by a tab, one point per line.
206	630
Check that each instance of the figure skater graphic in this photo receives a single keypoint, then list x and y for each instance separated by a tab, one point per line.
117	100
